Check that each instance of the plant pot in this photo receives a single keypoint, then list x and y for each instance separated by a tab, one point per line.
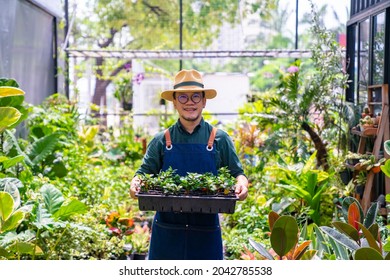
187	203
345	176
138	256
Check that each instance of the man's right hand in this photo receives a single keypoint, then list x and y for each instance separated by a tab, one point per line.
135	186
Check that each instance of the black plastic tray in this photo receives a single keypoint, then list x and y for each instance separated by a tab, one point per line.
186	203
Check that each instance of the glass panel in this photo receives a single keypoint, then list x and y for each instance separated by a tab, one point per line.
378	49
363	60
356	65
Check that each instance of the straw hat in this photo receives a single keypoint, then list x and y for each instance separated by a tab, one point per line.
188	81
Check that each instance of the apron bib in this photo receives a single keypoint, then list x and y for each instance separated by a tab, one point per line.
187	236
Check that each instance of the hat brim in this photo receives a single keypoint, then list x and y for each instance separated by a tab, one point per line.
208	93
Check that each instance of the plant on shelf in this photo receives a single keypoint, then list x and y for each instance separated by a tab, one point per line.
367	122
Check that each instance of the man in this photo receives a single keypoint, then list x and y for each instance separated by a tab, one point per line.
190	145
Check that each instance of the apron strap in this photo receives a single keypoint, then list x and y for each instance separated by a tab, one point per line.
168	141
211	139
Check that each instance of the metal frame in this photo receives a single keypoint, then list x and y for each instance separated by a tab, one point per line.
187	54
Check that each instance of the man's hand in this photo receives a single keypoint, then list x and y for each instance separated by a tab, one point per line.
241	187
135	186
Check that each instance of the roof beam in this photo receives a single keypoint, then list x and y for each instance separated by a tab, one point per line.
187	54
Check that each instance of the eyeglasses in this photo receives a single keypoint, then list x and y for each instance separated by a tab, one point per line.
196	98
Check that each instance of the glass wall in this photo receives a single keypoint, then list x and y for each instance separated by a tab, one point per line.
378	49
363	67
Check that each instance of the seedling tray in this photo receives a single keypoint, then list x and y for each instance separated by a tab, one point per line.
187	203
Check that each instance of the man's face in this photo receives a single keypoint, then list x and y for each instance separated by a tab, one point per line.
189	105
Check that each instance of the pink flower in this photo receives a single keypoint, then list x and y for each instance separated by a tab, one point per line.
292	69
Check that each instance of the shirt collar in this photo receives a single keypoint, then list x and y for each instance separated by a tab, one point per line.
182	129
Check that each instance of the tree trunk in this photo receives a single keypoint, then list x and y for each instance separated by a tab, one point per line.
101	85
322	153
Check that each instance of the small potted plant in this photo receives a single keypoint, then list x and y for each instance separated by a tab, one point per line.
139	241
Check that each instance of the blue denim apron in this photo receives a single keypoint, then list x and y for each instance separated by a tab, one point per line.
187	236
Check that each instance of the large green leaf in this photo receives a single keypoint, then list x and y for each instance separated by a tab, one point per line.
52	197
347	229
340	238
6	206
367	253
72	208
13	221
8	82
260	249
8	116
43	147
284	235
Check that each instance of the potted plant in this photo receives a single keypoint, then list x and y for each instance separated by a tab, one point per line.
124	93
140	242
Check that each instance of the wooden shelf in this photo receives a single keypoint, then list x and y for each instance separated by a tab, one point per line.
375	93
368	132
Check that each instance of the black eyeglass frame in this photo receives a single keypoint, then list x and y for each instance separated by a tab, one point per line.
188	98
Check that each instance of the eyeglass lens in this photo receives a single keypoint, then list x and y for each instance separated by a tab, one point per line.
183	98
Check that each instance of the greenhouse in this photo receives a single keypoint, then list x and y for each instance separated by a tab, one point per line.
232	130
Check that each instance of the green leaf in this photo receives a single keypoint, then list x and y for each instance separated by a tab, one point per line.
52	197
367	253
339	249
12	101
348	230
4	253
72	208
320	239
386	167
386	146
25	248
340	238
260	249
284	235
370	238
371	215
311	183
12	186
8	116
43	147
15	143
308	255
6	206
13	161
13	221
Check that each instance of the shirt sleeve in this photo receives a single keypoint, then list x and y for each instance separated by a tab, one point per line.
152	161
227	154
